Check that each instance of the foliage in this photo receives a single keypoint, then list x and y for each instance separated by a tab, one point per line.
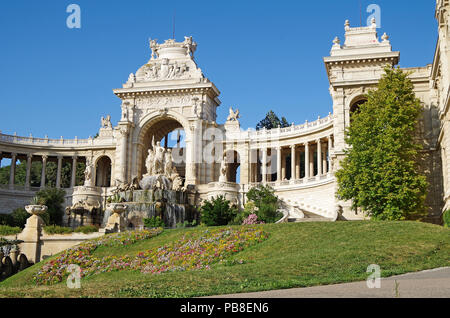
154	221
380	172
272	121
446	218
53	198
266	203
9	230
217	211
55	229
17	218
249	208
86	229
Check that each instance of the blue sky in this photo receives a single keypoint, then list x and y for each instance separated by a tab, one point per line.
261	55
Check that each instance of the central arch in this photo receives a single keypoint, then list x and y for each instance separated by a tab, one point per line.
171	130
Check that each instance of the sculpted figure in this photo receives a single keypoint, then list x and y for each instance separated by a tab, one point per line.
168	165
158	166
149	162
88	175
223	170
233	116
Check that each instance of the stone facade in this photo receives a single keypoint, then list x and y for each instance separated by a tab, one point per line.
170	93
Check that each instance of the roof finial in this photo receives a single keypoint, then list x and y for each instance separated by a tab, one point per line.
374	23
347	24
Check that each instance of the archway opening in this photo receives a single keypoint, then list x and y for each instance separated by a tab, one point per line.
171	135
103	172
233	163
355	107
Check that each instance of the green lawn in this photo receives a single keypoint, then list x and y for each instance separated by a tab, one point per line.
294	255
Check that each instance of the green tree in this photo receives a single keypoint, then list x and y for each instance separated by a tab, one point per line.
217	211
266	203
53	198
380	172
272	121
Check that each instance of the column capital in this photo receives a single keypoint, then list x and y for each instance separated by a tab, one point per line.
292	146
60	157
74	157
318	140
44	157
29	156
13	154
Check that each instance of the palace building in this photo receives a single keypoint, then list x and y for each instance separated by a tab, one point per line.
169	95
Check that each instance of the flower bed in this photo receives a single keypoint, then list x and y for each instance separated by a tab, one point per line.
190	253
193	251
56	270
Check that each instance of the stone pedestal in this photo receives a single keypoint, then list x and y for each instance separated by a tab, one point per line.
116	223
32	232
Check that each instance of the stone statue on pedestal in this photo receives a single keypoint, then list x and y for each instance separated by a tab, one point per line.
223	170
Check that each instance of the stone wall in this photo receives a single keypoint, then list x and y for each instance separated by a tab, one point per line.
14	199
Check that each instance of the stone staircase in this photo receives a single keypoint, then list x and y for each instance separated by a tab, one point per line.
294	211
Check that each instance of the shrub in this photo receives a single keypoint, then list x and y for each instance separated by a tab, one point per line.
86	229
19	217
6	219
53	198
266	203
217	211
55	229
252	219
153	222
9	230
446	218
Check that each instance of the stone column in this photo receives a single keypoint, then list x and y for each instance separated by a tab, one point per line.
58	172
324	159
1	157
74	171
311	163
28	175
44	166
330	168
279	161
12	171
319	157
123	154
264	166
293	163
306	160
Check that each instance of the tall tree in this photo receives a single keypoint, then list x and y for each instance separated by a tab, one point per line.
272	121
380	172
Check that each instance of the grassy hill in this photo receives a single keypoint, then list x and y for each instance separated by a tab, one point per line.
293	255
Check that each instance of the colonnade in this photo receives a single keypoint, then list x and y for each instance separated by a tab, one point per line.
44	159
308	161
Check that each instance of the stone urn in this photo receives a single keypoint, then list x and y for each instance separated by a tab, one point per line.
35	222
115	221
36	209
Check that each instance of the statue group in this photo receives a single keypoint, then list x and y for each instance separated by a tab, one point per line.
159	164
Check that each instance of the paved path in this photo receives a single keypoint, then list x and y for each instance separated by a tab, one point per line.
430	283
